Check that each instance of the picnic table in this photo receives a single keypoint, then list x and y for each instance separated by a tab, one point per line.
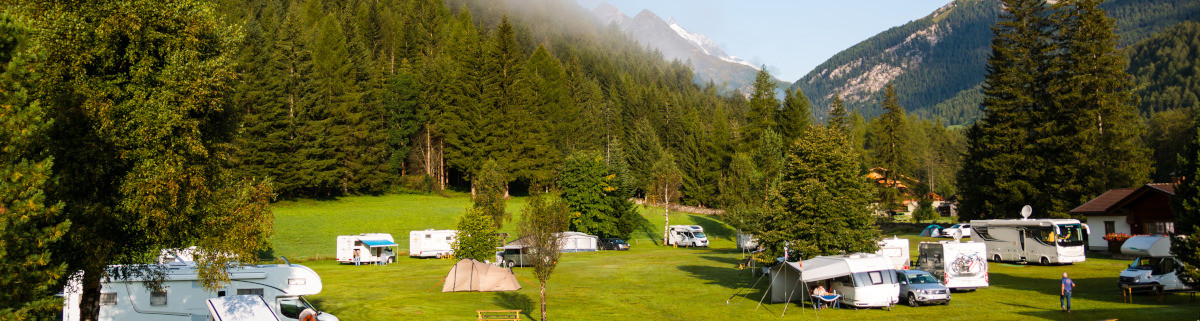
828	299
1127	291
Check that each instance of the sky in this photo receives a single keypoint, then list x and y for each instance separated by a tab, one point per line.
790	36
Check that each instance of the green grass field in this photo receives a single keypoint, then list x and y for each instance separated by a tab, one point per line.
649	282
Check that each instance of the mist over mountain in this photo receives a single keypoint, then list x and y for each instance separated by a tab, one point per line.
675	42
937	63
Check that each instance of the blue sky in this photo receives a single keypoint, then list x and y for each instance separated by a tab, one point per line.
790	37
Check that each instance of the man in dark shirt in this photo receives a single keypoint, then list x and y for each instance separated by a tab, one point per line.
1064	299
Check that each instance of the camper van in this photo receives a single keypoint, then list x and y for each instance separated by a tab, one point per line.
863	280
371	248
282	287
1155	264
1046	241
897	250
961	266
431	243
687	235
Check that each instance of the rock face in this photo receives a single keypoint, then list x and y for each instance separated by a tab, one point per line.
709	61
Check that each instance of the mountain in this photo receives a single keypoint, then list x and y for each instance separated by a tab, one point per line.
938	62
675	42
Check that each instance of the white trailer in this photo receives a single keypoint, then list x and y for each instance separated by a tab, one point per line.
371	248
687	235
1046	241
180	298
862	279
431	243
1155	265
961	266
897	250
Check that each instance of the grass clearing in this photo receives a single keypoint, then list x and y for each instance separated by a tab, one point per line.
649	282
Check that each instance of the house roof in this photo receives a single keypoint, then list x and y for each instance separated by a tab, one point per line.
1102	203
1116	198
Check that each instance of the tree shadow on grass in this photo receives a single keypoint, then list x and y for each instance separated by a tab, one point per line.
713	228
727	277
515	301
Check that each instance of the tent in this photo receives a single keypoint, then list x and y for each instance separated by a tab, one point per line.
792	275
932	231
472	275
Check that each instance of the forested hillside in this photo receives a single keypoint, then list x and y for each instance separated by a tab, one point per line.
937	62
363	95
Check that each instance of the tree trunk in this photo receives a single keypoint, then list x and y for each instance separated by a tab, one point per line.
428	153
666	217
442	160
89	299
542	293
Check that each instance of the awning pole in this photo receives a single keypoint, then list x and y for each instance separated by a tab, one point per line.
768	292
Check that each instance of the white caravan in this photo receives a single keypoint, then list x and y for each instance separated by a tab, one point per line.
1155	264
961	266
897	250
371	248
1045	241
862	279
746	241
431	243
181	298
240	308
687	235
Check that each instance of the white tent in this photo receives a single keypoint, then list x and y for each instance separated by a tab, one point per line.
472	275
786	285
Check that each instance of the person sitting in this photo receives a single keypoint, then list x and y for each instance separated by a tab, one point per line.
819	294
820	291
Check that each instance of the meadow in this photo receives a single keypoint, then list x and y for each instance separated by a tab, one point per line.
648	282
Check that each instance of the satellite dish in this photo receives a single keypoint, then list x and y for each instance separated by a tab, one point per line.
1026	212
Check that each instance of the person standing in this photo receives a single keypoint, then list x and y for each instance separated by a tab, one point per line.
1064	299
356	257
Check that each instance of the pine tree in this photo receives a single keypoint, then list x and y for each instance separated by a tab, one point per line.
30	225
489	186
889	142
468	117
838	120
820	207
403	116
583	182
796	116
506	94
763	106
1186	207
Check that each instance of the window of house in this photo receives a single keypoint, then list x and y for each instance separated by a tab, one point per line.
1161	227
108	299
158	298
1110	227
258	292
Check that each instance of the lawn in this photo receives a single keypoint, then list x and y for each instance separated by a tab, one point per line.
649	282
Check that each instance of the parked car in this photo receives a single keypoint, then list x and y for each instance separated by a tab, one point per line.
613	244
964	230
919	287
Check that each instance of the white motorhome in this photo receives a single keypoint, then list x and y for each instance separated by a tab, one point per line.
371	248
961	266
897	250
1046	241
1155	265
746	241
181	298
687	235
431	243
862	279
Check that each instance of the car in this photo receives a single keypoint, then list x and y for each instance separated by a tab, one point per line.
919	287
613	244
964	229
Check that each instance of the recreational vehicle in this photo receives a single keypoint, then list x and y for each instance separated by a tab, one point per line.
897	250
369	247
862	280
687	235
431	243
1155	265
282	287
960	266
1046	241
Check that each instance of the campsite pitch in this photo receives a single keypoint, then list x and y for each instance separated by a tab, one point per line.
651	282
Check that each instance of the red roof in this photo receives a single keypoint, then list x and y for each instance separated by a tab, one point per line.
1102	203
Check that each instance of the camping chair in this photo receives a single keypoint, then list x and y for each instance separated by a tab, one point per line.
833	300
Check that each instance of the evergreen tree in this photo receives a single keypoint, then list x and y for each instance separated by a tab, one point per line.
838	120
1001	174
506	92
489	187
468	117
820	207
1186	207
763	106
796	116
30	226
476	238
889	143
540	132
402	113
584	184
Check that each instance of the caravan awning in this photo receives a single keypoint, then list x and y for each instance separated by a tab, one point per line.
379	243
828	267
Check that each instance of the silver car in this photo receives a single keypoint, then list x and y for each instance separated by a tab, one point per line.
920	287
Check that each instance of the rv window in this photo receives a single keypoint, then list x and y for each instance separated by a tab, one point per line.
1043	234
158	298
448	238
429	236
290	308
1072	235
982	232
876	277
108	299
258	292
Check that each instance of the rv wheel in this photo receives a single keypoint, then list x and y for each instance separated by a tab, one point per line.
912	300
391	259
1045	261
996	258
510	264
